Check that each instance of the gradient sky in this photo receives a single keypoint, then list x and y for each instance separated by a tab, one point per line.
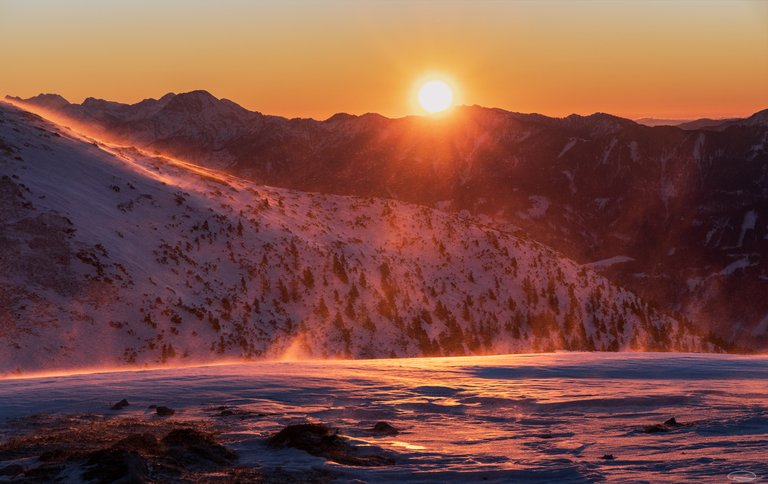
675	59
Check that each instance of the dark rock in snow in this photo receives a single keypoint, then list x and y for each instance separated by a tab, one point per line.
144	442
44	473
54	455
120	405
608	457
323	441
668	425
385	428
115	466
165	411
11	470
196	450
655	428
672	422
313	438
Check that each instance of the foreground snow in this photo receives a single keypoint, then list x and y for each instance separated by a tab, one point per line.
549	417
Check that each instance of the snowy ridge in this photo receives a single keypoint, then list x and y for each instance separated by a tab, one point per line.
685	188
113	256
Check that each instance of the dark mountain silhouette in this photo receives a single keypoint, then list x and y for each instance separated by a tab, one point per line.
678	215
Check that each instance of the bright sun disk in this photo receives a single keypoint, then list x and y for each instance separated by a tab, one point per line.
435	96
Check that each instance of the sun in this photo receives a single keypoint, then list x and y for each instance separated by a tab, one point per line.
435	96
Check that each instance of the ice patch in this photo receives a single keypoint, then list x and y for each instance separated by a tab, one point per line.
633	151
605	263
567	147
734	266
609	150
697	147
538	209
749	223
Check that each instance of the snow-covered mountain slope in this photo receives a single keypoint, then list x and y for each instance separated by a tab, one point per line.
685	208
111	256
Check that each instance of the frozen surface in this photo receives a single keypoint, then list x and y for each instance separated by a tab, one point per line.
523	418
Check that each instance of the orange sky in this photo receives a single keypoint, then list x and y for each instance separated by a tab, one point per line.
678	59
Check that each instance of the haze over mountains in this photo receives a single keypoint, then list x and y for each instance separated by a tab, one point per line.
688	123
676	214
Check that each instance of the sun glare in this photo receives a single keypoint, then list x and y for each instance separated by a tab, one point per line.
435	96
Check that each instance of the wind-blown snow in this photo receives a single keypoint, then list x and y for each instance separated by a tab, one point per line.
524	418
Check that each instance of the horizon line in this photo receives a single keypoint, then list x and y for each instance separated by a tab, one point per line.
634	118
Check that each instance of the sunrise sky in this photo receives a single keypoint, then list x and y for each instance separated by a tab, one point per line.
677	59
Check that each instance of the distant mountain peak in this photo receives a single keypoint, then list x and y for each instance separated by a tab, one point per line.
197	94
598	124
759	117
94	103
340	117
46	100
193	101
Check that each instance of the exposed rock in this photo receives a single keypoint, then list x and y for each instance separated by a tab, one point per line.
11	470
323	441
143	442
44	473
608	457
385	429
196	450
125	450
668	425
54	455
672	422
655	428
116	466
120	405
165	411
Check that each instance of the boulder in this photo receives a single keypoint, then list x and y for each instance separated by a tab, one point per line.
323	441
120	405
385	429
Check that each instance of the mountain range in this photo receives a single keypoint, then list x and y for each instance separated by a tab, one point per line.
675	214
115	256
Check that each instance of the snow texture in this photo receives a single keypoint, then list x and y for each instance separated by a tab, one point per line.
523	418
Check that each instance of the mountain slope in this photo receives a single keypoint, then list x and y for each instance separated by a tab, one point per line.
112	257
683	210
